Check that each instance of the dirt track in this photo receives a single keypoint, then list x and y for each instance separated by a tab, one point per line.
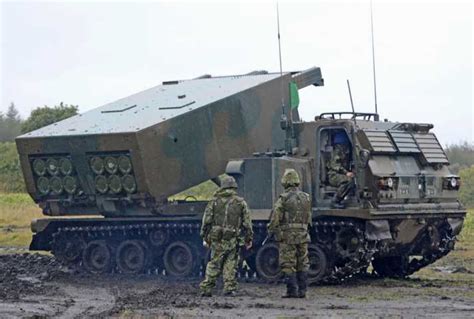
36	286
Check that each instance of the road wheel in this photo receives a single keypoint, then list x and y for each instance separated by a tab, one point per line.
318	264
347	242
179	260
68	250
131	257
97	257
391	266
267	262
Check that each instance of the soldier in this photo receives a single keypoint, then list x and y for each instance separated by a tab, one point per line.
226	226
339	174
289	225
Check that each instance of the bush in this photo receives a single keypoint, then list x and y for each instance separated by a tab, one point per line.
460	155
43	116
466	193
11	177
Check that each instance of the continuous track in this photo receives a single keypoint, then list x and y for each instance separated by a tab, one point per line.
338	250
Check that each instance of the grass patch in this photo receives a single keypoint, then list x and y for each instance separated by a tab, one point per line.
203	191
467	233
15	198
17	210
464	249
462	257
16	213
19	237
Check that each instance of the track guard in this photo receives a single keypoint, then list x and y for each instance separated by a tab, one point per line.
377	230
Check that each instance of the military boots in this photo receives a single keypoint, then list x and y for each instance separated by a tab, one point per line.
336	202
291	286
302	279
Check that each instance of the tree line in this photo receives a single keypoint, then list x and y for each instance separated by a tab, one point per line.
461	155
12	125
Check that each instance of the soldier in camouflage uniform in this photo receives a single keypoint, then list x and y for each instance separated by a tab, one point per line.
339	174
226	226
289	225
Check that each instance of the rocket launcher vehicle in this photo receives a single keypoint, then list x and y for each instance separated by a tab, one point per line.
127	157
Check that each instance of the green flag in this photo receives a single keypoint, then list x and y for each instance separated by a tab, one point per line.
294	97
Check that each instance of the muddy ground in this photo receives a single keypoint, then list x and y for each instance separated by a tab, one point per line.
35	286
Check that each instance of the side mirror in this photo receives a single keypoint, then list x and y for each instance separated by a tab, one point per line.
364	156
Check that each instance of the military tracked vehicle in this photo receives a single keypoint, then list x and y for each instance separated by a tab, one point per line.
104	179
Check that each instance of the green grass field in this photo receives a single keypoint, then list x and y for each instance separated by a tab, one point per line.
16	213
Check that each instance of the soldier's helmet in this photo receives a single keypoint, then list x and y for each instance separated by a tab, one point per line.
340	138
228	182
290	178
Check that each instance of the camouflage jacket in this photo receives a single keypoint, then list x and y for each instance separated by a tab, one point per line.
339	162
226	218
291	217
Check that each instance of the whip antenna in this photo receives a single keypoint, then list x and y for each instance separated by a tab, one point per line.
285	124
373	56
352	103
281	65
279	42
350	95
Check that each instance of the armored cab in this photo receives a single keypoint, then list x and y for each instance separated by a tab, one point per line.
123	160
402	213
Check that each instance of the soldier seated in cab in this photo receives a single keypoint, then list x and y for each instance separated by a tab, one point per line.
338	169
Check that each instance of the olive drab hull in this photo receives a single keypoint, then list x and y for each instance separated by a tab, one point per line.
124	160
171	137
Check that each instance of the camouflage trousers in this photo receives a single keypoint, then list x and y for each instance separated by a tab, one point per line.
343	183
224	260
293	258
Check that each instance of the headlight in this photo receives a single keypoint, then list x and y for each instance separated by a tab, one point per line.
453	182
39	167
70	184
387	183
390	182
56	185
97	165
65	166
129	184
101	184
115	184
52	166
43	185
124	164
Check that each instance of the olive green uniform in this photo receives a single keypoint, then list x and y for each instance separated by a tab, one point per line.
289	224
226	225
337	169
